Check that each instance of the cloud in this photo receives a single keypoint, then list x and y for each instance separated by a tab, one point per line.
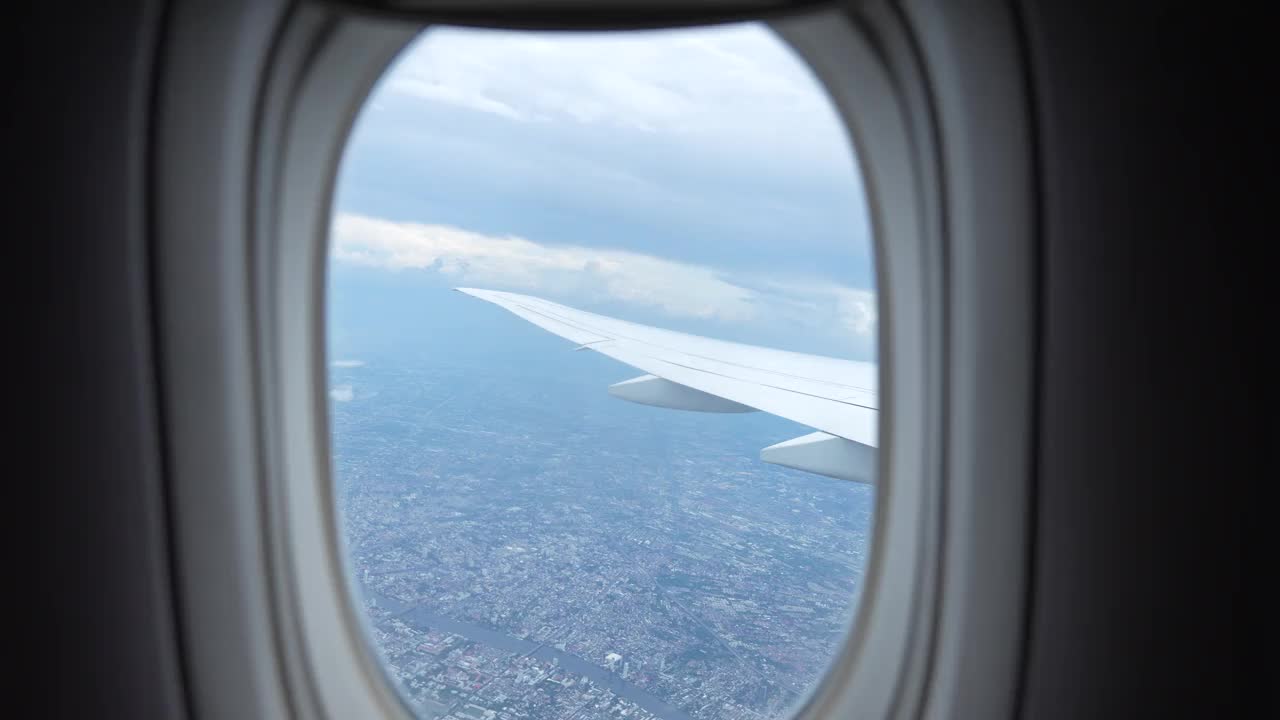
342	393
348	363
690	144
856	309
588	275
734	84
454	96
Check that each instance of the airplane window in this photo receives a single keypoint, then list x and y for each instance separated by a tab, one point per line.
628	471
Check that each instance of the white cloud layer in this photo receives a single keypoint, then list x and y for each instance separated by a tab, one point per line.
856	309
348	363
734	85
591	275
342	393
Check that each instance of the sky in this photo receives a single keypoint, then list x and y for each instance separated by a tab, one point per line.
694	179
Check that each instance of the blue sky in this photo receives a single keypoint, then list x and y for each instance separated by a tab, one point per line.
693	179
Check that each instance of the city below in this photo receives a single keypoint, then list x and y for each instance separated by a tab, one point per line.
527	547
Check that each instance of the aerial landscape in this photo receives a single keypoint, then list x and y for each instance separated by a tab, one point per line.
526	546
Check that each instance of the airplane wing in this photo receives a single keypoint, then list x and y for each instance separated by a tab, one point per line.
837	398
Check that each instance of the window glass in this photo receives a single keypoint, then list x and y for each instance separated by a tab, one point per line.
526	543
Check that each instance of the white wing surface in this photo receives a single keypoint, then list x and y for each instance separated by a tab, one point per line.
837	398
